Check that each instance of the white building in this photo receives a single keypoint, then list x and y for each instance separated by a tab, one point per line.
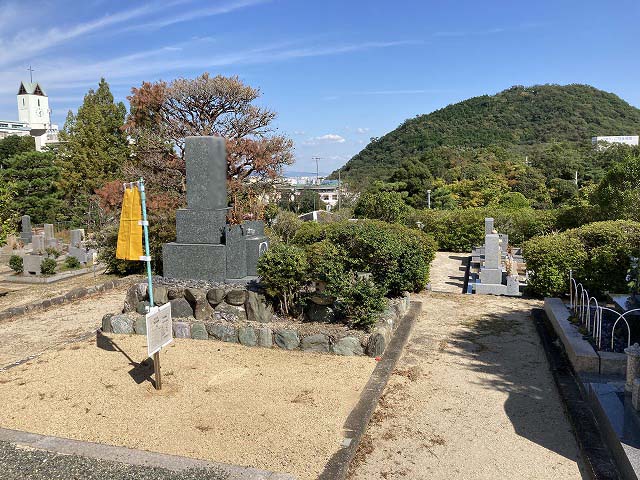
34	116
626	139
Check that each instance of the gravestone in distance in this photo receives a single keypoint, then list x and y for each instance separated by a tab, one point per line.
206	247
76	237
488	226
38	243
26	232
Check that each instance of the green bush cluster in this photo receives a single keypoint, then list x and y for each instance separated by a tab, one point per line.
48	266
16	263
72	263
598	254
397	257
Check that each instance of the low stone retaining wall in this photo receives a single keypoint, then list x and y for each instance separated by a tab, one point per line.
71	295
232	313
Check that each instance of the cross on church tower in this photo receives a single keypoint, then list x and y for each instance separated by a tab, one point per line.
30	73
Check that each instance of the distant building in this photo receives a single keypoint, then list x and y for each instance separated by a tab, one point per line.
34	117
329	190
625	139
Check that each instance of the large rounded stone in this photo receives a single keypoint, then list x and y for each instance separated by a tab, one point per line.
265	337
135	293
197	298
122	324
236	297
142	307
257	308
140	325
247	336
106	323
320	313
287	339
376	345
230	313
180	308
221	331
181	330
199	331
175	292
160	295
316	343
215	296
348	346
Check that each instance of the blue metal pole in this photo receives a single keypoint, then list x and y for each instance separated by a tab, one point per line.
145	226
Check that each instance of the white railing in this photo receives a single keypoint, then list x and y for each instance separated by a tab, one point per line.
580	305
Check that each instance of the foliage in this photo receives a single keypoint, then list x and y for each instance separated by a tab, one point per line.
618	195
52	252
8	216
16	263
72	263
286	225
163	114
386	206
48	266
550	124
93	148
633	276
13	145
327	264
362	300
34	176
598	253
282	271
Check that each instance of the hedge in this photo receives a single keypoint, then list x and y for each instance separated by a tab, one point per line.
598	254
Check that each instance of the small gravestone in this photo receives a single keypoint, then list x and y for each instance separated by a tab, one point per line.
26	232
31	265
38	243
76	237
488	226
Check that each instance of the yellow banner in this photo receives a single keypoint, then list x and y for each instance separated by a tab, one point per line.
130	233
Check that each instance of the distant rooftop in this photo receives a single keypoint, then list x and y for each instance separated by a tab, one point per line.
31	88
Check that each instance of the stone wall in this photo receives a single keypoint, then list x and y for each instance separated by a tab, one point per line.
232	313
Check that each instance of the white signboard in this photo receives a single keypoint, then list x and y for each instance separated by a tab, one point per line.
626	139
159	328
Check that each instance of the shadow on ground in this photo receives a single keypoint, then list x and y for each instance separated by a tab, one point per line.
504	347
141	371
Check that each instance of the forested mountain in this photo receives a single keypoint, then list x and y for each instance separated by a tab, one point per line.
546	126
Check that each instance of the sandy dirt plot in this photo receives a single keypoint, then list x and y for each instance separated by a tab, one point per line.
35	332
447	272
276	410
21	294
471	398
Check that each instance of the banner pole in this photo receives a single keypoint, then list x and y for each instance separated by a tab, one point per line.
145	226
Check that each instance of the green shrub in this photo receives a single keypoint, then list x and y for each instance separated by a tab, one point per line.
362	300
310	232
72	263
286	225
386	206
48	266
16	263
282	270
327	264
598	253
52	252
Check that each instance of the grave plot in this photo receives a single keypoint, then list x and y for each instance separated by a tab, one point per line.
266	408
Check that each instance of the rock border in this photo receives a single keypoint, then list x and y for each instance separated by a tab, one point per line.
70	296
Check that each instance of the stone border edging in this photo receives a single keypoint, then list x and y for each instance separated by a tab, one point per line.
597	458
356	424
130	456
71	295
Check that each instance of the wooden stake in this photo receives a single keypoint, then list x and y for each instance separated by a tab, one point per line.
156	370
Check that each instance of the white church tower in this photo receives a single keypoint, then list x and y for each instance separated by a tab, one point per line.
33	107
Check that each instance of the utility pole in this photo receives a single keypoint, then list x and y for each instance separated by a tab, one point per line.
429	199
317	181
339	188
576	180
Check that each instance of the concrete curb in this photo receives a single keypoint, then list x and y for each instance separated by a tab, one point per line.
132	457
71	295
356	424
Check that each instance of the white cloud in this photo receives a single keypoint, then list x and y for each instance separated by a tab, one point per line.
299	132
330	138
362	130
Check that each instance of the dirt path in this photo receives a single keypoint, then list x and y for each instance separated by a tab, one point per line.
447	272
21	294
471	398
33	333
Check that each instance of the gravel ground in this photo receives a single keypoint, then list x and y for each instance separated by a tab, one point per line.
447	272
471	398
22	463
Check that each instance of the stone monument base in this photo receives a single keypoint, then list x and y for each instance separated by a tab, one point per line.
198	261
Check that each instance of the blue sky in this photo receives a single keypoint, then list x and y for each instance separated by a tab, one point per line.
337	72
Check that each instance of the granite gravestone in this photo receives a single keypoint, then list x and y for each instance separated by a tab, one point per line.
206	246
38	243
26	232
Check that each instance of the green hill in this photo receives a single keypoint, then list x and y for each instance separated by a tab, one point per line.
521	120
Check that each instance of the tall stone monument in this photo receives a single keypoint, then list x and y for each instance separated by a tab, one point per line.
25	232
206	246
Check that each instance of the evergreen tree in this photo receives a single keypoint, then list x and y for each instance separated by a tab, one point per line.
14	144
34	176
93	147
